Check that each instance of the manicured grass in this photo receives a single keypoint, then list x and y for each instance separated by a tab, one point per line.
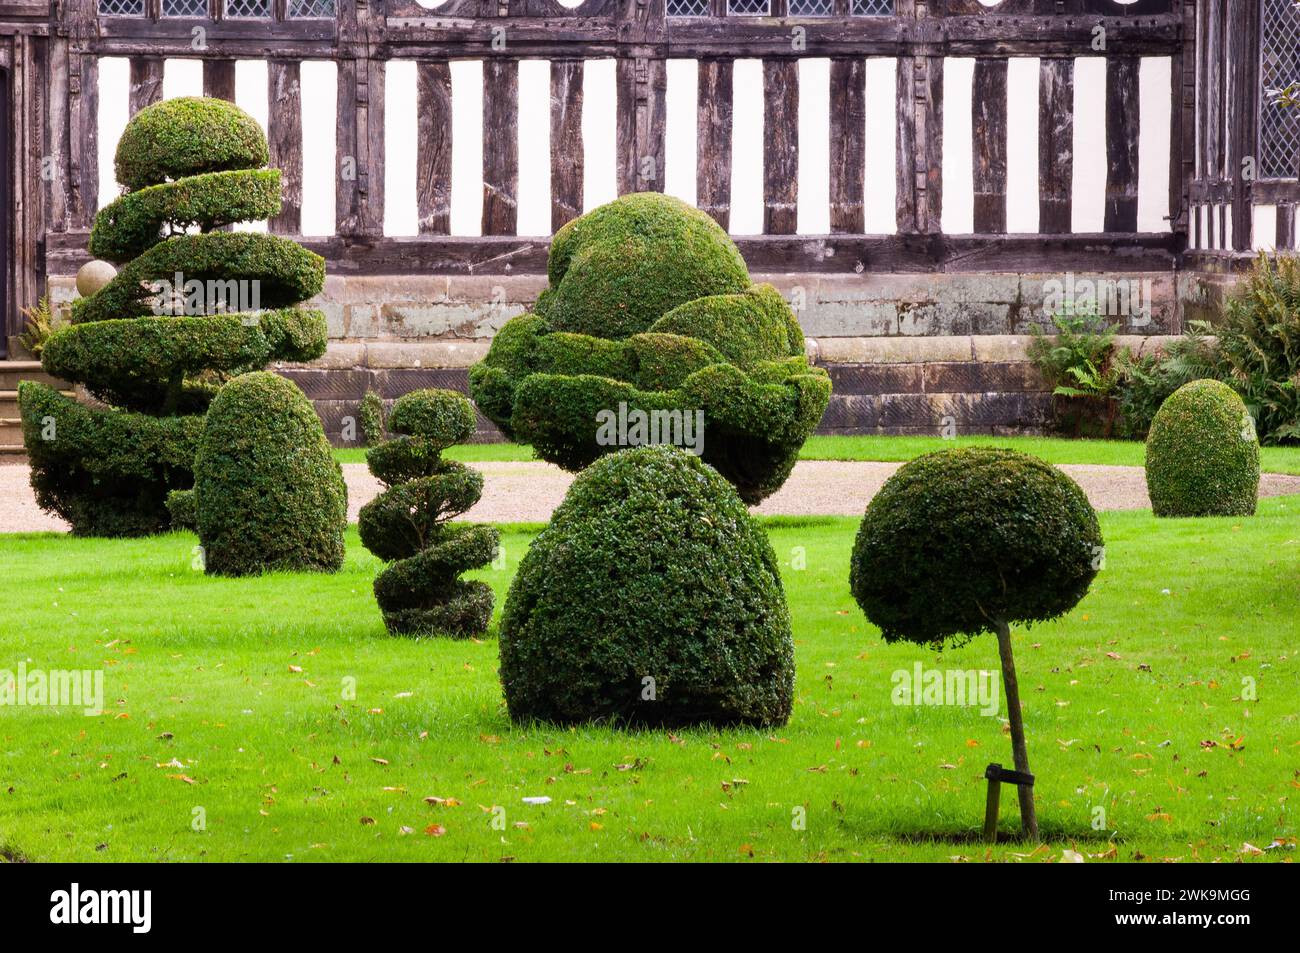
230	696
890	449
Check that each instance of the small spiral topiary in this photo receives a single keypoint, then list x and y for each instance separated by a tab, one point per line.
420	592
966	541
652	597
156	359
651	311
1202	453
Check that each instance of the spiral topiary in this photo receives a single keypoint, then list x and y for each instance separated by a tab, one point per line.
153	358
650	310
652	597
420	592
1202	453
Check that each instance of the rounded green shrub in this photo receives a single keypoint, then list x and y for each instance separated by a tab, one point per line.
652	597
420	592
156	361
268	493
959	540
189	135
617	269
1202	453
650	311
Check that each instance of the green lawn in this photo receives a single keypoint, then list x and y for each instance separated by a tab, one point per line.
1051	449
227	697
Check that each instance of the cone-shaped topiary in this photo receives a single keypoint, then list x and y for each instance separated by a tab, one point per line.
1202	453
184	314
421	592
268	493
652	597
650	311
961	542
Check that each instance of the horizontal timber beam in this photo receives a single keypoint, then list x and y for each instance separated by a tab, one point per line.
812	254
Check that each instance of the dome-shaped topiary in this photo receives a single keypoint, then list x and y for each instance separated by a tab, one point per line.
268	493
185	136
651	313
617	269
155	353
421	592
651	597
1202	453
966	541
959	539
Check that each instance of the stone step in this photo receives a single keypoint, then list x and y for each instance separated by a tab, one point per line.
11	372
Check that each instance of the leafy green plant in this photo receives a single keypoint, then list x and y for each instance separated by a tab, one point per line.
1145	382
1077	363
38	326
1257	352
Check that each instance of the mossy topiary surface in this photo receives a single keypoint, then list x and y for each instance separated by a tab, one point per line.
958	540
185	163
652	597
650	309
268	493
420	592
1202	455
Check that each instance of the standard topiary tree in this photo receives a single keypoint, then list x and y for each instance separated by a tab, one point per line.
154	353
1202	453
420	592
962	542
650	310
268	493
652	597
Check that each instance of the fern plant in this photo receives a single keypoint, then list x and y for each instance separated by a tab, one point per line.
38	326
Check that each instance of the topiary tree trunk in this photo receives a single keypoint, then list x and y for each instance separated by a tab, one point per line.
1028	817
188	163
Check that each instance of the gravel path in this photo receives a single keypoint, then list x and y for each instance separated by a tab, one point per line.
528	492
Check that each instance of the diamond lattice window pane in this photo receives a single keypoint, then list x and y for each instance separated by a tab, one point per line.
1279	126
248	8
873	8
121	8
749	8
311	9
192	9
688	8
812	8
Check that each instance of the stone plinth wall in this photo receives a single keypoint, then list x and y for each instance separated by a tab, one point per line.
908	354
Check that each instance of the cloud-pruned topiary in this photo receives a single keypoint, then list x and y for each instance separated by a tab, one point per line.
652	597
650	309
420	592
154	361
1202	453
268	493
961	542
